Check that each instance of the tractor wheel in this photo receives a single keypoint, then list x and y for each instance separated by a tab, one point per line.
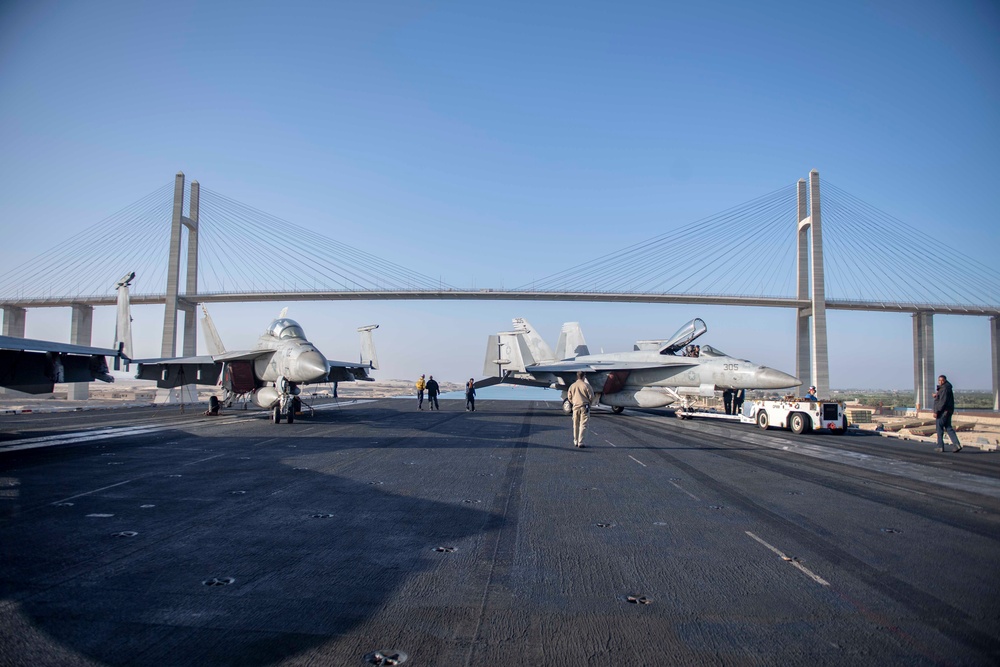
617	409
763	420
797	423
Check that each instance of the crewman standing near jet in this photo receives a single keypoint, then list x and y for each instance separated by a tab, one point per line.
944	408
470	395
432	394
420	392
738	397
581	396
727	401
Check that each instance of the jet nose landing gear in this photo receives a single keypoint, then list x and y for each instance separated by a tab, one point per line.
288	401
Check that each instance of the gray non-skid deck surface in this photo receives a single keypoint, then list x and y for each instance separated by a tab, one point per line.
749	548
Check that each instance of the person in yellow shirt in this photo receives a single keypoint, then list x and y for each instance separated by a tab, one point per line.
581	396
421	383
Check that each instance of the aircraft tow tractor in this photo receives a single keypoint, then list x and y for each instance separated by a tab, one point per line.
798	415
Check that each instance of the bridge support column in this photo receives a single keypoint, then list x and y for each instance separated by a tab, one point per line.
13	321
803	367
13	325
80	332
190	345
924	379
918	365
995	348
820	355
811	349
174	302
169	345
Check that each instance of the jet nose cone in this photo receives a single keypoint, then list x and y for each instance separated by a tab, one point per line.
768	378
311	367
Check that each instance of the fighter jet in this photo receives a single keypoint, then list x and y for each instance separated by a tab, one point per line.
34	366
270	374
656	373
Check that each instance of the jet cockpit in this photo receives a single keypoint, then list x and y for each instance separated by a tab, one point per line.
285	328
684	336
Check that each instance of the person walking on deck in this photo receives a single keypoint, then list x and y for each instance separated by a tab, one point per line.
580	396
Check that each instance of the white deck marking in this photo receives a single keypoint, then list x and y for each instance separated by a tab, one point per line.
341	404
202	460
611	443
74	438
103	488
638	461
815	577
684	490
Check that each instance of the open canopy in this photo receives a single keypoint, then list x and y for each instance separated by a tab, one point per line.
684	336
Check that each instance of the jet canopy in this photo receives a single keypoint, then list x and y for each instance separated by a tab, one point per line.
285	328
684	336
709	351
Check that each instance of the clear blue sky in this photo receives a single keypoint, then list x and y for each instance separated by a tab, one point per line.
493	143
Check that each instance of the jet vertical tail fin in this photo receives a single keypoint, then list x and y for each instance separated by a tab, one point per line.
540	351
123	324
571	342
368	355
213	342
507	352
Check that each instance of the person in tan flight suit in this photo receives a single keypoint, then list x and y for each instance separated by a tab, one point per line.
581	396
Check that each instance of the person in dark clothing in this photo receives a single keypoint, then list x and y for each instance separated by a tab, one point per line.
470	395
738	396
944	408
727	401
432	393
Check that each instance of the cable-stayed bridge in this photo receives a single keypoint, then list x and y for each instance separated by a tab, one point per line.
789	248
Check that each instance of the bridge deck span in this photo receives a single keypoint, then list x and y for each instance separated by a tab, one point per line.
512	295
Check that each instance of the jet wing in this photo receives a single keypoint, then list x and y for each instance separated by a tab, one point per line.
172	372
510	379
348	371
164	361
603	366
34	366
31	345
244	355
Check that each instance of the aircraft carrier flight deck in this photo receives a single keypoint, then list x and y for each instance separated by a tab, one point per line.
374	533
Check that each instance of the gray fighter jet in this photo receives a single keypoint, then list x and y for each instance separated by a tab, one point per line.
270	374
656	373
34	366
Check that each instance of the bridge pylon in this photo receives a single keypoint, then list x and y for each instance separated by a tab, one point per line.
812	360
175	301
995	353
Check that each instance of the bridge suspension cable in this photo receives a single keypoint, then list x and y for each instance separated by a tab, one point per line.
89	262
244	249
746	250
873	256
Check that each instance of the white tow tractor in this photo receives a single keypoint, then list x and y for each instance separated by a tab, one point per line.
796	414
799	415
